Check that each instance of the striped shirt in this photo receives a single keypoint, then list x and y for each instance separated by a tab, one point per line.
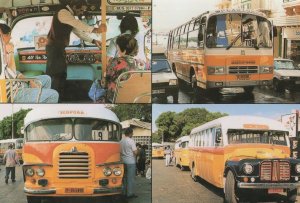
14	86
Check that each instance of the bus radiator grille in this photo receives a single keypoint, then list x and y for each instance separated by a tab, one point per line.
275	171
243	69
74	165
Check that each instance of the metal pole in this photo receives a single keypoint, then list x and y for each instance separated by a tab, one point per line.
103	43
297	119
12	122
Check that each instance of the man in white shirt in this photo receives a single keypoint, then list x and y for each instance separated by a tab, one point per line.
128	156
63	23
10	159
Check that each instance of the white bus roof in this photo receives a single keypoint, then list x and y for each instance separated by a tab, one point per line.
70	110
243	122
226	11
185	138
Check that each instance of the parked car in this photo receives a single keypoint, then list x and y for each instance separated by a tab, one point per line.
164	81
286	74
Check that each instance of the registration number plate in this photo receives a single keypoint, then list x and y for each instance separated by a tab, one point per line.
74	190
158	91
275	190
243	77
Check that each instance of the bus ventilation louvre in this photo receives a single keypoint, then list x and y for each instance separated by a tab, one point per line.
73	165
275	171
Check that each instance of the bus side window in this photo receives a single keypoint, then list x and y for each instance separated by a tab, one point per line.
218	139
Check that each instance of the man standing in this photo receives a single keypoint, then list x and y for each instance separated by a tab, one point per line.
11	160
168	155
63	23
128	155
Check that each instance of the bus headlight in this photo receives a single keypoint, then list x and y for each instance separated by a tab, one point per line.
40	172
297	168
248	168
29	172
215	70
173	82
107	171
117	171
266	69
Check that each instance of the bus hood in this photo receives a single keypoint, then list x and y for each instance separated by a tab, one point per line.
257	151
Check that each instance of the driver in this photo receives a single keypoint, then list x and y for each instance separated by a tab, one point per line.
58	38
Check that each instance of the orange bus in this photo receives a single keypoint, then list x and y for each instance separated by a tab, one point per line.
181	152
158	150
243	155
18	146
220	49
71	150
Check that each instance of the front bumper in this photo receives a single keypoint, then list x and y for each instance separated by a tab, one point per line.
268	185
103	190
242	83
164	89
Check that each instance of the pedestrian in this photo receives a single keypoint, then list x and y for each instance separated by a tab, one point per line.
63	23
138	148
10	160
142	160
168	155
128	155
148	173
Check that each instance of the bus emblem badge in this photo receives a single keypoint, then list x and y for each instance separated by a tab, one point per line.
74	149
243	52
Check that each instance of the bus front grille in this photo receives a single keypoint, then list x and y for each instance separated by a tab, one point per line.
243	69
275	171
73	165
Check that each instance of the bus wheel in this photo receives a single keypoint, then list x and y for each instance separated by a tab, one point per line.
193	174
248	90
182	168
292	195
230	196
31	199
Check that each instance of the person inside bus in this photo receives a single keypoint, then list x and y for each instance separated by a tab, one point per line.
127	48
24	93
211	40
63	23
128	25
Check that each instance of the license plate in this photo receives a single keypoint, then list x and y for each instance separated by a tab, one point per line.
275	190
158	91
243	77
74	190
297	82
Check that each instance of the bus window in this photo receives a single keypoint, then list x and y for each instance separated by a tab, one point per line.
183	41
218	140
236	136
50	130
95	130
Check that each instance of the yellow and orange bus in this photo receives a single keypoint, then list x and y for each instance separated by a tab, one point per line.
158	150
244	154
72	150
181	152
225	48
18	146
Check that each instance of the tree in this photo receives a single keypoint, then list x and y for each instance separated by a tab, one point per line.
156	138
129	111
18	122
172	125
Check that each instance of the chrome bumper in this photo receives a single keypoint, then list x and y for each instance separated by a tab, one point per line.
40	191
269	185
108	190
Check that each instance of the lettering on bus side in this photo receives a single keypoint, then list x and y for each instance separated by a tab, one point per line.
256	126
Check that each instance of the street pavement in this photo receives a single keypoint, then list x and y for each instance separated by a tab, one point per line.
170	184
13	192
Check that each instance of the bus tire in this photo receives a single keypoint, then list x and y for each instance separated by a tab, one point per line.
182	168
292	195
248	90
32	199
193	174
230	185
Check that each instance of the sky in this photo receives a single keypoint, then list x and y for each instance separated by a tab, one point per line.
273	111
168	14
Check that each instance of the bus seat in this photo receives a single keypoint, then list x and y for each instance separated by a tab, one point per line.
133	86
80	72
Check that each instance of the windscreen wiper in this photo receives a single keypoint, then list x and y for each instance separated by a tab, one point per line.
233	41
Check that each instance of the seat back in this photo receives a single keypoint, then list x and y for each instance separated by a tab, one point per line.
132	87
